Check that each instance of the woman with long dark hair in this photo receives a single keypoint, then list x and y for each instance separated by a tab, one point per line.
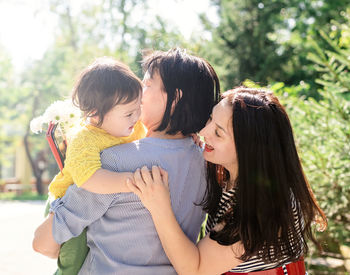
260	206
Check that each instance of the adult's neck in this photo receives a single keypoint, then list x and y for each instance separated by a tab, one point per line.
164	135
233	175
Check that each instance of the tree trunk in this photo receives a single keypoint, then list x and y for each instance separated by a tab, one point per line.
37	172
34	164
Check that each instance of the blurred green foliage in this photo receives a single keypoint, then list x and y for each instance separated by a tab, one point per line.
268	41
27	196
322	131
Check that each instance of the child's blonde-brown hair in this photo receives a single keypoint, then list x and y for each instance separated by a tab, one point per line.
104	84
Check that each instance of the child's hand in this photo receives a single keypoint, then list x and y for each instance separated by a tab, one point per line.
152	189
197	140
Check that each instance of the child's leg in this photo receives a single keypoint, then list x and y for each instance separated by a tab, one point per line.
72	255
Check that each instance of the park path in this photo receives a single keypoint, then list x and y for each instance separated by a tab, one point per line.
18	220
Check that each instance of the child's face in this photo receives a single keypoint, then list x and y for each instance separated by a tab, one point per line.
121	119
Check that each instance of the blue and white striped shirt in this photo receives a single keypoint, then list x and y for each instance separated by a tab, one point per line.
121	234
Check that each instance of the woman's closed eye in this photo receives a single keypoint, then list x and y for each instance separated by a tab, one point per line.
217	133
129	115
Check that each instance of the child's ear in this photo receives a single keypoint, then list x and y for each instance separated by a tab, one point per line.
94	120
93	117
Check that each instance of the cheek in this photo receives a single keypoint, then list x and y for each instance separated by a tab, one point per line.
230	154
122	122
107	119
146	100
224	153
144	96
156	104
163	101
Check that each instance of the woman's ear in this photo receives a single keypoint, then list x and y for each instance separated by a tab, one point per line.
178	96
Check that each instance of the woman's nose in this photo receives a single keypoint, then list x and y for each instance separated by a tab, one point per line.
203	131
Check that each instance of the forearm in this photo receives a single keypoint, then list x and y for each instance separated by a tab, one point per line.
43	241
208	257
107	182
183	254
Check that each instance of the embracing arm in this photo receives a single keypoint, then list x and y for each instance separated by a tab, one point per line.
43	241
83	165
107	182
208	257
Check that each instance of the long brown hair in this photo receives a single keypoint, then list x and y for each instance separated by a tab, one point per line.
270	183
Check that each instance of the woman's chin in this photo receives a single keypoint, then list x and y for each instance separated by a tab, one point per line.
207	156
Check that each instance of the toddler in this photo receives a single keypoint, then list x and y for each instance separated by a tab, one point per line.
109	95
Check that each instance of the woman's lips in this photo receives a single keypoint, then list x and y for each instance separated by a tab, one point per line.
208	148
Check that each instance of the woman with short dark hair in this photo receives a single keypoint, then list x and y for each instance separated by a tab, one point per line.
259	202
188	83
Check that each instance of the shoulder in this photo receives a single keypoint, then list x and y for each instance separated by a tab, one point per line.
196	154
80	143
83	135
134	145
114	152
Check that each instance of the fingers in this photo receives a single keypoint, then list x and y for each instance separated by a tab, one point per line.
197	140
156	174
200	144
160	175
164	175
133	188
139	183
146	175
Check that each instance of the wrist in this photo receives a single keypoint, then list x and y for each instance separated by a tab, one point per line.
162	213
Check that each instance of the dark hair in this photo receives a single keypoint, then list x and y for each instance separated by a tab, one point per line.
199	84
269	184
104	84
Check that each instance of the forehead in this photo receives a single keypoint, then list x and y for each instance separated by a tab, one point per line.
223	108
130	105
222	114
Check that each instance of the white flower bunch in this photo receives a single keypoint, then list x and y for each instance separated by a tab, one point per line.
62	112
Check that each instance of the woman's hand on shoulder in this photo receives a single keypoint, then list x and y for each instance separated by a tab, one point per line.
197	140
152	188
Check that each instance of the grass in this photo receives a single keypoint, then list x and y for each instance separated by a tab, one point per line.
26	196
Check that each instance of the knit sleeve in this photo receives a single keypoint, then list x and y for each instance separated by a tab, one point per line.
83	157
60	183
